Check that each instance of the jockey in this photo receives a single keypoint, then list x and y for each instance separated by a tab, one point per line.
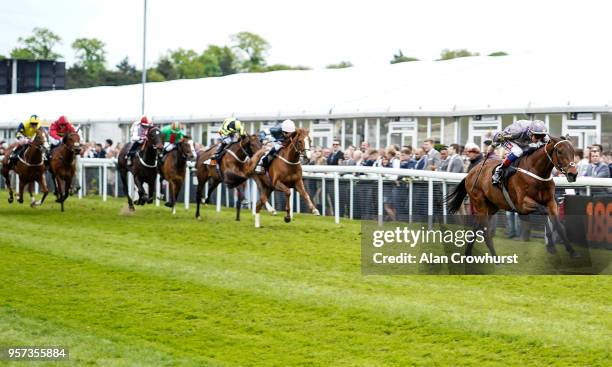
279	134
58	130
172	135
515	138
230	131
139	131
25	133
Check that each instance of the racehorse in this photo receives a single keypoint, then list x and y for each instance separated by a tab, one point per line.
230	170
143	168
530	187
173	169
284	173
30	168
63	165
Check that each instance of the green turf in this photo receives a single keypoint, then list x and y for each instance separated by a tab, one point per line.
151	289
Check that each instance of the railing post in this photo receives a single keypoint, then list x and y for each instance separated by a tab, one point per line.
588	190
351	190
100	181
410	188
429	197
297	202
187	187
157	189
116	183
444	189
291	203
253	196
81	171
380	199
337	197
227	195
130	180
323	195
219	189
104	184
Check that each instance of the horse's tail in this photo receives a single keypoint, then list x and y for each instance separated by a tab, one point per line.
249	167
455	199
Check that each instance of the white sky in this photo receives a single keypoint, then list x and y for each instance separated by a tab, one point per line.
317	32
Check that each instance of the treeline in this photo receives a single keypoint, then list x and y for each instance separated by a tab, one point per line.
246	52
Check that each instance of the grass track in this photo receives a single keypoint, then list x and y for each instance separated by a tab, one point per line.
150	289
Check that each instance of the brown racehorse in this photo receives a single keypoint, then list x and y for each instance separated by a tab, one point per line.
30	168
63	165
143	168
532	186
284	173
232	166
173	169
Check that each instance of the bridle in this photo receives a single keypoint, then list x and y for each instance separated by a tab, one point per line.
293	143
565	169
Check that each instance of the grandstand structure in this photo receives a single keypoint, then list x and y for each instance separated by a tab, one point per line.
454	101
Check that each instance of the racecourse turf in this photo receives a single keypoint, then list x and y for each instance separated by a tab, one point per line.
150	289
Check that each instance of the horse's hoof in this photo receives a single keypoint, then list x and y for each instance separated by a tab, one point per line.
287	219
274	213
131	208
551	249
58	200
10	200
316	212
574	255
198	218
168	204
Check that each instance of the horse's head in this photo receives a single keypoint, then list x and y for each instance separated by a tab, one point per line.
301	142
250	144
186	148
154	138
73	141
40	140
562	157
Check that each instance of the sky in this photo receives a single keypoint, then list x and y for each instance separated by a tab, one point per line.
316	33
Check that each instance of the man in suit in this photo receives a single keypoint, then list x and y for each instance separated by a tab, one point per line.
596	167
336	156
421	157
455	163
443	163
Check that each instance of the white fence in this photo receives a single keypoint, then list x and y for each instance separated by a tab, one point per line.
328	180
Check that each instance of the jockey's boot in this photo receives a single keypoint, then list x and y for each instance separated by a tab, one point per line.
263	161
217	155
497	174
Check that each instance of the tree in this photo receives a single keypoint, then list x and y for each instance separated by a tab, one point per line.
154	76
277	67
187	64
340	65
254	47
166	68
399	57
38	46
226	60
447	54
90	54
498	53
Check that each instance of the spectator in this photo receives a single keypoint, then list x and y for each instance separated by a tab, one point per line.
336	156
99	152
365	146
607	159
443	164
108	146
433	156
597	168
455	163
406	160
581	163
474	155
372	158
421	159
490	151
357	158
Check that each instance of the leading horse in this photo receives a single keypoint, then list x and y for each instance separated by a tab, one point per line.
63	165
143	167
231	170
283	174
530	187
30	168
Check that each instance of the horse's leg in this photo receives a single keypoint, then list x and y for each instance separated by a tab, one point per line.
141	191
299	186
213	185
238	202
124	180
550	241
485	225
7	181
265	192
152	189
553	214
20	191
44	188
199	198
172	202
284	189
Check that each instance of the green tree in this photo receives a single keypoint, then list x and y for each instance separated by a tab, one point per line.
90	54
187	64
166	68
225	59
498	53
399	57
154	76
254	47
340	65
277	67
38	46
447	54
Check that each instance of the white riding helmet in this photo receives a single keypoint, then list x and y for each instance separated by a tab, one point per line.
288	126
